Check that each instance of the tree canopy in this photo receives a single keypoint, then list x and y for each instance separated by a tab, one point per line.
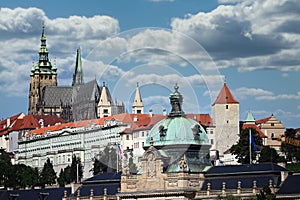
48	175
241	149
292	153
269	154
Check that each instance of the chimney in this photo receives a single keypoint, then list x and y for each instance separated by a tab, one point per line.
41	121
135	118
8	122
164	112
151	113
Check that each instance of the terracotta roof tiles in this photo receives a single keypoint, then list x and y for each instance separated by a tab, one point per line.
225	96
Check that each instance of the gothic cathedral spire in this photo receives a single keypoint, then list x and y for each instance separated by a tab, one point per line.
78	74
42	74
137	106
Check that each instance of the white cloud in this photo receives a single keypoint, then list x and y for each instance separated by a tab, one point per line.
244	92
249	35
261	94
20	30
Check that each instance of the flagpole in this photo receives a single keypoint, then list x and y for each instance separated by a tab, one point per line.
117	158
250	147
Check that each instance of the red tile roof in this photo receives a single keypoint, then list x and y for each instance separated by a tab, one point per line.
261	134
225	96
50	120
203	119
6	124
262	121
28	122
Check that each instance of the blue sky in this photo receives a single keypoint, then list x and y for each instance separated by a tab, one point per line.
254	45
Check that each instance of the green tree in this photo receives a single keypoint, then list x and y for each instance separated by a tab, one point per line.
60	179
292	153
265	194
76	164
24	176
6	173
269	154
241	149
67	174
48	175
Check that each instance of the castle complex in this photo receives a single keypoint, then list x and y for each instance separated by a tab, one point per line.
81	101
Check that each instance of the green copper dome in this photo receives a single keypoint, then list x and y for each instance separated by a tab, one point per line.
177	129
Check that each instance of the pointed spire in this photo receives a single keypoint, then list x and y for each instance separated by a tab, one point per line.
105	97
176	100
78	74
137	106
44	65
249	117
225	96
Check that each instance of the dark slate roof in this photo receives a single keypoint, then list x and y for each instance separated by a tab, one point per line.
103	177
87	91
244	169
246	182
290	185
112	189
110	181
53	193
54	96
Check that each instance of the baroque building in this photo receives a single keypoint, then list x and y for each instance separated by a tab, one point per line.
81	101
176	154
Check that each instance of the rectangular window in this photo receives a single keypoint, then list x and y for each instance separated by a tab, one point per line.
211	141
226	106
272	124
105	111
127	137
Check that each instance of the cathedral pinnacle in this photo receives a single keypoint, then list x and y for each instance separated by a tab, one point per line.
78	74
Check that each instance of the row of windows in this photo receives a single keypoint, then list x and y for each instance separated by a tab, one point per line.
143	134
136	145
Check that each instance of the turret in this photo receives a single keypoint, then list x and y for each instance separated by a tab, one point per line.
137	106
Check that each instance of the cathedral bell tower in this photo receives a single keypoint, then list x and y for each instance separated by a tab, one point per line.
42	74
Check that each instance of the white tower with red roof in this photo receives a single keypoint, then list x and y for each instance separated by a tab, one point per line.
226	115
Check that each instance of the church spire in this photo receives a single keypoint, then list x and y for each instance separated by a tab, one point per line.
78	74
137	106
44	65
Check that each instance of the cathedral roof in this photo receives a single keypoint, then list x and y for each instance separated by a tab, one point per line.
225	96
87	91
54	96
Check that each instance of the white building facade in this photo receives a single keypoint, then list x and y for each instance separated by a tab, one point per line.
60	146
